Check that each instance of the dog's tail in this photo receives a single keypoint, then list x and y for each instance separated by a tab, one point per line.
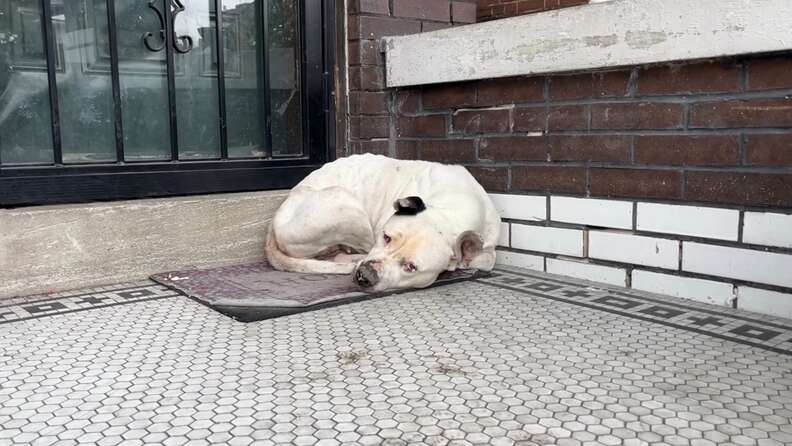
283	262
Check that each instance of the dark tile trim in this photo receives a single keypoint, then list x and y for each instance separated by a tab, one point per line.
26	310
727	327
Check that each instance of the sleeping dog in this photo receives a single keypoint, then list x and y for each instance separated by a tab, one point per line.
390	223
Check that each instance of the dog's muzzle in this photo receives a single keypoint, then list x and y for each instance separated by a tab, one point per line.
365	275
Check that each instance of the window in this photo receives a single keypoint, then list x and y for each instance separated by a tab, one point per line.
113	99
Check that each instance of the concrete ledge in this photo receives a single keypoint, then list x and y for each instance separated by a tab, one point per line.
71	246
602	35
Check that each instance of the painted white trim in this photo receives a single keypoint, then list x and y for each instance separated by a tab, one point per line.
694	221
520	260
602	35
707	291
592	212
520	207
737	263
763	228
634	249
588	271
568	242
764	301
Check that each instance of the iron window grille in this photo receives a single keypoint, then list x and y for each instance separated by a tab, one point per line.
65	182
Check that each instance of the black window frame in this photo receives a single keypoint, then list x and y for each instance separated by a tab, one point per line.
22	185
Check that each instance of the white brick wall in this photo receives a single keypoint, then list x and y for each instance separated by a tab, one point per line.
768	229
735	263
587	211
689	220
503	237
764	301
544	239
588	271
583	248
519	260
520	207
640	250
708	291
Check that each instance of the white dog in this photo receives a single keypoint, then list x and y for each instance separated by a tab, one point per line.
393	224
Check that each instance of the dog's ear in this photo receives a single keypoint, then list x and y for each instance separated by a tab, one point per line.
467	247
409	206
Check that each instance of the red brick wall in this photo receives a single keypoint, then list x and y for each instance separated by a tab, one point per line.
369	21
498	9
707	132
712	132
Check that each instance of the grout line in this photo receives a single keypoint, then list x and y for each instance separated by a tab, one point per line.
741	227
585	242
632	82
680	255
548	214
735	296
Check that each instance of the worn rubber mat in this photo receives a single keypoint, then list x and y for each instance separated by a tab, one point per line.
256	291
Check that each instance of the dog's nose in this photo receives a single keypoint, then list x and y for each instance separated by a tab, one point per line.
365	275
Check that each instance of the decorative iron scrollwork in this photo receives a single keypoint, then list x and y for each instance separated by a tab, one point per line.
182	44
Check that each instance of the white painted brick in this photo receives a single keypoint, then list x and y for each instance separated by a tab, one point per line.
587	211
519	260
764	301
768	229
544	239
503	237
689	220
628	248
587	271
736	263
708	291
521	207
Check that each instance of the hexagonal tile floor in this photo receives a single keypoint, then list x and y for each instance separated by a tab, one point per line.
518	358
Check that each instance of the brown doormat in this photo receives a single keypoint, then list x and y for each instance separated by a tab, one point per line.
256	291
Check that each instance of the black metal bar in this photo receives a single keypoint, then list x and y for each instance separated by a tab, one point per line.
260	63
221	91
266	107
112	38
118	185
171	73
313	68
50	48
328	150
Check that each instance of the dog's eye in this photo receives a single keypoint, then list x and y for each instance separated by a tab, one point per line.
410	267
387	238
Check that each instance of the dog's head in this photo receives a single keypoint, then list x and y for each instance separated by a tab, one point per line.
411	251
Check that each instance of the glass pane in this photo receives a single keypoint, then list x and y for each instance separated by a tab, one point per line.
143	80
85	91
244	78
25	123
197	103
285	94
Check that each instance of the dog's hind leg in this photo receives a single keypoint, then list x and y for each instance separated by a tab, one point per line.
311	222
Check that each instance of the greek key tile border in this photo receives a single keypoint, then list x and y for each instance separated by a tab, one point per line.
35	307
771	334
